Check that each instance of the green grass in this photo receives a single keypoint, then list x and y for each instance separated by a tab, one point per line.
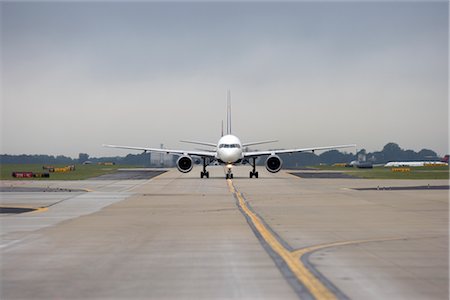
89	171
81	171
386	173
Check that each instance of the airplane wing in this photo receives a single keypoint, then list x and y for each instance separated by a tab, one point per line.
274	152
200	143
258	143
167	151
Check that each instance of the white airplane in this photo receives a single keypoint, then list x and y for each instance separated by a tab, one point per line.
228	151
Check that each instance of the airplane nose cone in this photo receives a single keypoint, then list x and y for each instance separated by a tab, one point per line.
229	156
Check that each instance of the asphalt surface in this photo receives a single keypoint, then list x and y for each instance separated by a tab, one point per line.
322	174
130	175
25	189
405	188
178	236
15	210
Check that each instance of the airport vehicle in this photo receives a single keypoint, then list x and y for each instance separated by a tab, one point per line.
228	151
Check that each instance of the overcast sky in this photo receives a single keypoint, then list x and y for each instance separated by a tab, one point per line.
77	75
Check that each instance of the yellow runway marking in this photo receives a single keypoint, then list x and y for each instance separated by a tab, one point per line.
39	209
293	258
300	252
313	284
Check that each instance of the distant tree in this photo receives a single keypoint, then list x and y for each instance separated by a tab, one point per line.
409	155
34	159
335	156
61	159
296	160
392	148
142	159
82	157
392	151
426	154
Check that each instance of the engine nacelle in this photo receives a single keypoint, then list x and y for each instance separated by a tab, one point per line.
185	163
273	163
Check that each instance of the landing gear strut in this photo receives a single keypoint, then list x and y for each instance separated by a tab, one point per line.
254	172
229	175
204	173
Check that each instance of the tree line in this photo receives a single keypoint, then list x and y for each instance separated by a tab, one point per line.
390	152
142	159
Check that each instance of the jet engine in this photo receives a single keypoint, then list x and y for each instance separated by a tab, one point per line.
273	163
184	163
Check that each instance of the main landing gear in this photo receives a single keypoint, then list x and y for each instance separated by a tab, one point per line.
254	172
204	173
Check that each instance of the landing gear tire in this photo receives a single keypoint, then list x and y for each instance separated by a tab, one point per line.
254	174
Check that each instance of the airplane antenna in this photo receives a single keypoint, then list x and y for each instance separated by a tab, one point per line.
228	112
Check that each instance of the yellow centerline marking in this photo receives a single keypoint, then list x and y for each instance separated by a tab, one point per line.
39	210
293	258
312	283
300	252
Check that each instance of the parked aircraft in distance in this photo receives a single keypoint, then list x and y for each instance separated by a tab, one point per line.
229	151
415	164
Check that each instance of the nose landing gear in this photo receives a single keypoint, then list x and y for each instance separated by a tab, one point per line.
229	175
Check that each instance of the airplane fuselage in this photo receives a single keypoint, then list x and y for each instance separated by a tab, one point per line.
229	149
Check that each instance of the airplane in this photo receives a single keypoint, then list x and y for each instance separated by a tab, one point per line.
228	151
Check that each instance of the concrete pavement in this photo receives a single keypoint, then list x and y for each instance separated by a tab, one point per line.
179	236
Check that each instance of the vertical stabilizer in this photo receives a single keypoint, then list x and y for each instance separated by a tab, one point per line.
228	112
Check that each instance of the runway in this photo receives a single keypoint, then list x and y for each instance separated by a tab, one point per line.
178	236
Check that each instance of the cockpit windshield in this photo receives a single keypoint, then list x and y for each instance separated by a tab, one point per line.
229	146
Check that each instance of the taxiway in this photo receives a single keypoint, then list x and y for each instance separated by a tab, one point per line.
178	236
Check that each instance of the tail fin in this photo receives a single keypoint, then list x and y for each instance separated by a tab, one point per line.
228	112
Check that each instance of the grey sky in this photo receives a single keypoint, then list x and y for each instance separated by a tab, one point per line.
76	75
